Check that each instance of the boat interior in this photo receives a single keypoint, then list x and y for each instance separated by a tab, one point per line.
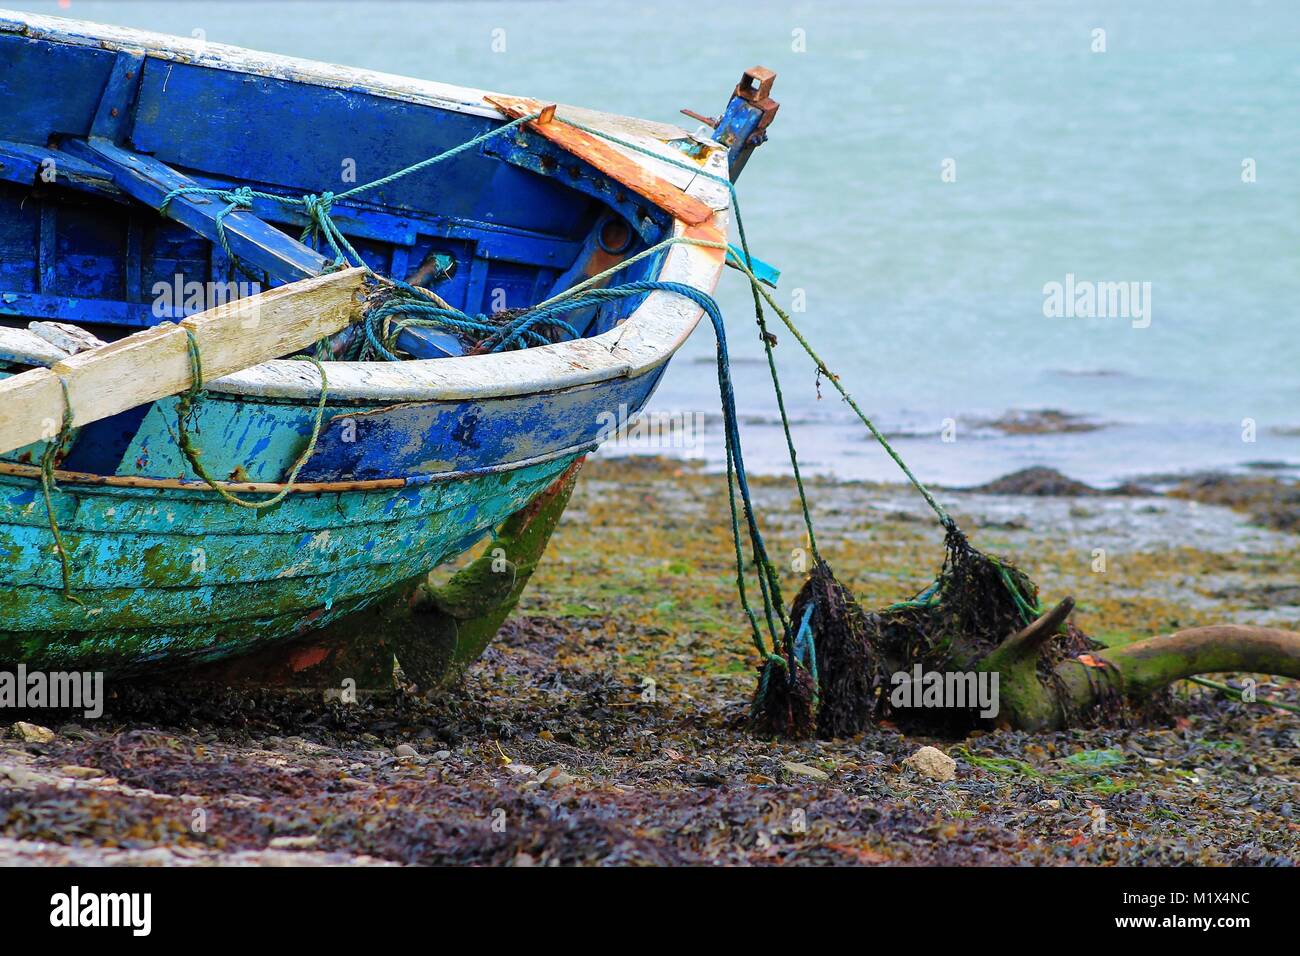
92	139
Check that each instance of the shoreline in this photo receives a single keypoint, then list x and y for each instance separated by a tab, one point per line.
969	450
605	724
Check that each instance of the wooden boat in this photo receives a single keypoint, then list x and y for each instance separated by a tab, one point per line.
416	460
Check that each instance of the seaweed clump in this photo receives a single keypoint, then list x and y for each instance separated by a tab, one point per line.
842	682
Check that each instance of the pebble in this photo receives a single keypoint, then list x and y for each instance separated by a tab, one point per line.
442	755
933	763
293	842
81	773
520	769
803	770
405	750
1047	805
24	778
33	733
553	778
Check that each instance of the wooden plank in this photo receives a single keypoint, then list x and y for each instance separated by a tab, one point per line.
155	363
606	158
24	164
149	181
25	346
113	117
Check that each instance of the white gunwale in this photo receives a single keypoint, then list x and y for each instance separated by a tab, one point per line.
642	343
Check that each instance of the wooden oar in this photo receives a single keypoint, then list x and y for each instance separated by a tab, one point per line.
155	363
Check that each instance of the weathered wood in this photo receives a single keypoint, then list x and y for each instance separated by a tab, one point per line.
28	348
250	238
155	363
171	577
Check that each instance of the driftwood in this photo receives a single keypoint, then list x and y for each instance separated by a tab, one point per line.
1076	686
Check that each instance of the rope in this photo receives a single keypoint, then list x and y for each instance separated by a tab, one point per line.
53	451
737	478
316	207
759	317
184	407
758	290
487	333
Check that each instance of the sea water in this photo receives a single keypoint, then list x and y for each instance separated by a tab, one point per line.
936	171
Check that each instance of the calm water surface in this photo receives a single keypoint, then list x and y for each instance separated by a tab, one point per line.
926	291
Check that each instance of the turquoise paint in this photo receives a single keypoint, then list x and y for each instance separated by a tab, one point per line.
262	577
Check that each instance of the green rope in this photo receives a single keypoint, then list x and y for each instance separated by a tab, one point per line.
316	207
53	451
759	317
184	407
1029	612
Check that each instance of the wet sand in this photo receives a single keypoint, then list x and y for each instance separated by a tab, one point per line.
605	726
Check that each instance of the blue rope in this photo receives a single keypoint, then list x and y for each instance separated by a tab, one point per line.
805	647
521	326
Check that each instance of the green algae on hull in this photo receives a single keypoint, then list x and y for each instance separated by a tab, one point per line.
179	575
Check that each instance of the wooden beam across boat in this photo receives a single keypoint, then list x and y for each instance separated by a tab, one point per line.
155	363
150	182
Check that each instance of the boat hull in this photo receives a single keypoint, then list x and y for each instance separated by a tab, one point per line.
414	460
182	576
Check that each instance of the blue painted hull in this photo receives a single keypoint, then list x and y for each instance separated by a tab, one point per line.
401	478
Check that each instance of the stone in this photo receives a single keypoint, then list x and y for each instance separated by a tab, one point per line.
405	750
33	733
553	778
81	773
933	763
293	842
803	770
